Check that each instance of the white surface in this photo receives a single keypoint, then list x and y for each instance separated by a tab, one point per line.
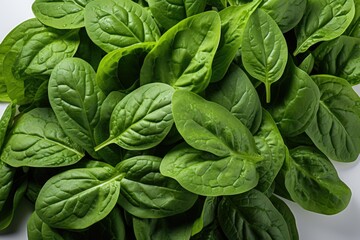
311	226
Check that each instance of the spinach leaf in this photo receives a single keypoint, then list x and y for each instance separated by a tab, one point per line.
76	100
323	20
354	28
37	140
335	129
145	193
60	14
119	70
301	93
113	24
220	144
168	13
339	57
237	94
6	181
286	13
307	64
271	146
288	216
78	198
313	183
251	215
264	49
14	198
142	119
183	56
233	21
208	215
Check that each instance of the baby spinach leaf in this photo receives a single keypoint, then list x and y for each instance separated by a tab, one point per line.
220	143
60	14
6	181
34	227
296	90
183	56
237	94
286	13
76	100
37	140
264	49
113	24
219	4
323	20
169	12
6	122
354	28
78	198
251	215
195	170
340	57
271	146
313	183
119	70
145	193
285	211
233	21
208	215
15	196
142	119
335	129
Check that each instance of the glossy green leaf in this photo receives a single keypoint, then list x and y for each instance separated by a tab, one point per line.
119	70
323	20
307	64
6	181
183	56
169	12
76	100
60	14
271	146
313	183
335	129
264	49
233	21
354	28
296	90
114	24
6	122
237	94
220	143
340	57
251	215
286	13
37	140
142	119
78	198
145	193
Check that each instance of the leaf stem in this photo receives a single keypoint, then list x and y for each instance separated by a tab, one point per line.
268	92
103	144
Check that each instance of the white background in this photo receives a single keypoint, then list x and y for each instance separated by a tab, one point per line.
311	226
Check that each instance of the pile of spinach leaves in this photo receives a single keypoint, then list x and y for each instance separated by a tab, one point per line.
158	119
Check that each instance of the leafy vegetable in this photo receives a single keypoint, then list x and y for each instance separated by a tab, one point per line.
178	119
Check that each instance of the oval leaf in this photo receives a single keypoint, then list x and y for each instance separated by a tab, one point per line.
37	140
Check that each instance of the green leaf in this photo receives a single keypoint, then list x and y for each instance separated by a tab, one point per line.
323	20
340	57
307	64
183	56
251	215
271	146
354	28
222	143
78	198
236	93
142	119
6	122
145	193
313	183
7	174
37	140
233	21
114	24
264	50
119	70
60	14
296	90
76	100
169	12
335	129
